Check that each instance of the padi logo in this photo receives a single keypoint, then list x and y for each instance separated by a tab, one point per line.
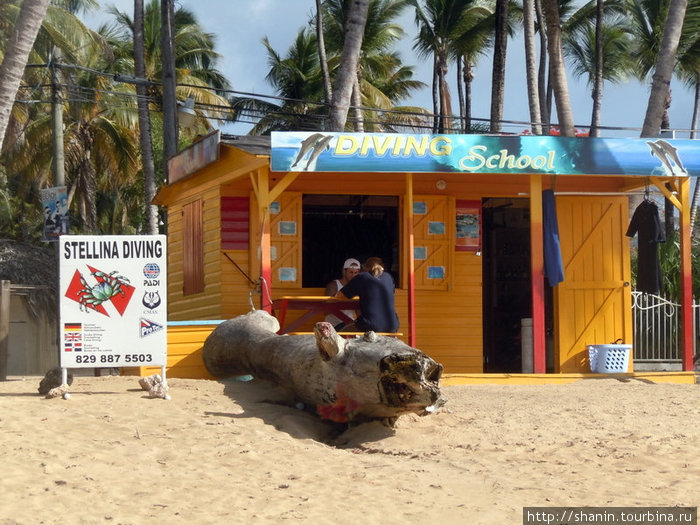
151	270
147	327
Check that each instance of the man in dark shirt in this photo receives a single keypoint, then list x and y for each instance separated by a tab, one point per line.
375	289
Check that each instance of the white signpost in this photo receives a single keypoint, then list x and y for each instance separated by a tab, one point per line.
113	301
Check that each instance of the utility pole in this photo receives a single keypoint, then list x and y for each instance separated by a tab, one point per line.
167	30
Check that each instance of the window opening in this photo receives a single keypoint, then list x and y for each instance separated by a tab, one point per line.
336	227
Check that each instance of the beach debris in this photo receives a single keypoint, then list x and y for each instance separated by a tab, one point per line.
346	380
59	391
53	379
155	386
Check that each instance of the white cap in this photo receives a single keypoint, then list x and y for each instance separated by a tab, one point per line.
351	263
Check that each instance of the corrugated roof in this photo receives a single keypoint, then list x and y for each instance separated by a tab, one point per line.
255	145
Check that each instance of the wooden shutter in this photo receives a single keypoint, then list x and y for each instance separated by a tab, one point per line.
433	225
235	223
193	248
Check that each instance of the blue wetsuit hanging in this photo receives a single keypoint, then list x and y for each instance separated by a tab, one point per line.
553	267
647	225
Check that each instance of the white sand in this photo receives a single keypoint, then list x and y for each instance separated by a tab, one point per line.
228	452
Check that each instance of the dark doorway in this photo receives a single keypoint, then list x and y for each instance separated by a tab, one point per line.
507	293
336	227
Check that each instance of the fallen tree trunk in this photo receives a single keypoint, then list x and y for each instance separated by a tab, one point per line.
373	377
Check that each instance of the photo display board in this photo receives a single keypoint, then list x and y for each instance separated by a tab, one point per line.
113	301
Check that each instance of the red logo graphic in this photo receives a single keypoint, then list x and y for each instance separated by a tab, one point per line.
111	287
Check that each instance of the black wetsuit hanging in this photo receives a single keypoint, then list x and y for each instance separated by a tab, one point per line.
646	223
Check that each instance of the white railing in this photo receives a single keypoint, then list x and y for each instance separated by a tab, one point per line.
657	328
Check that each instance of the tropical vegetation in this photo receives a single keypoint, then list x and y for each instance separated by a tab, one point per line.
331	76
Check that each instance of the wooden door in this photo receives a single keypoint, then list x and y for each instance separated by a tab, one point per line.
593	305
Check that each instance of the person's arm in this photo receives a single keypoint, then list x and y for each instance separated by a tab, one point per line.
331	288
340	295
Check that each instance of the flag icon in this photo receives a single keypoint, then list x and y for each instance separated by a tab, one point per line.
73	337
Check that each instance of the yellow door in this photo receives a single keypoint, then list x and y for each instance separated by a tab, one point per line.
593	305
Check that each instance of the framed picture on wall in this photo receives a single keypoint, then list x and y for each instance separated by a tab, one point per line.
468	226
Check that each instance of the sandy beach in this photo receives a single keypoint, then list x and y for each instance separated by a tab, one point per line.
234	452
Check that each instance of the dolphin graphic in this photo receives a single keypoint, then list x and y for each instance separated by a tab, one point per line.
663	150
672	152
318	148
306	144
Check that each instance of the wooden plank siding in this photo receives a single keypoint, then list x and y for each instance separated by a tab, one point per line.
184	353
207	304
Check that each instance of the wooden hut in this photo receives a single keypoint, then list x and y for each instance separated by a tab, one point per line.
457	219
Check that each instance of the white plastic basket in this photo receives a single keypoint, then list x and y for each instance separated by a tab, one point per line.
609	359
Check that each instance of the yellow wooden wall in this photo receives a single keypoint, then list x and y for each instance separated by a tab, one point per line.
184	353
207	304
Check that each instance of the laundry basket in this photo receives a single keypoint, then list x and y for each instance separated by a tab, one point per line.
609	359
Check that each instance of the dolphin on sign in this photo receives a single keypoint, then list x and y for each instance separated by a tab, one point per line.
320	146
667	154
315	143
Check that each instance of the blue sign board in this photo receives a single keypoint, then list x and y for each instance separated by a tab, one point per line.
409	153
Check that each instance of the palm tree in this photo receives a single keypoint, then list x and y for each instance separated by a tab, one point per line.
346	76
382	80
448	29
323	61
144	120
598	52
296	80
530	66
665	63
17	52
470	40
498	72
195	61
558	68
436	21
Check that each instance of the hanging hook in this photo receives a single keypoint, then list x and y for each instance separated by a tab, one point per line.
646	189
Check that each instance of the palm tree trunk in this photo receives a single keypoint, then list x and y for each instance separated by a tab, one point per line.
498	76
460	95
17	52
357	106
436	95
558	68
144	121
170	131
323	61
349	58
542	71
665	63
445	121
468	77
598	81
530	67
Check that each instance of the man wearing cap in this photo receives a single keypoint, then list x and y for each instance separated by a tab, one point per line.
351	267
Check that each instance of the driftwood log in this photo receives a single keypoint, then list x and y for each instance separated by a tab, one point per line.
360	379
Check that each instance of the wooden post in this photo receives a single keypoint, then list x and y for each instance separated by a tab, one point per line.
411	262
686	276
4	327
539	358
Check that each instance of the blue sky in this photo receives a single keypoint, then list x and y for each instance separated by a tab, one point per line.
240	25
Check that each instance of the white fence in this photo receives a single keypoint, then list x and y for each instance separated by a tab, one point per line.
657	329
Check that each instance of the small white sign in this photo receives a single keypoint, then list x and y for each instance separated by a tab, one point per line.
113	301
